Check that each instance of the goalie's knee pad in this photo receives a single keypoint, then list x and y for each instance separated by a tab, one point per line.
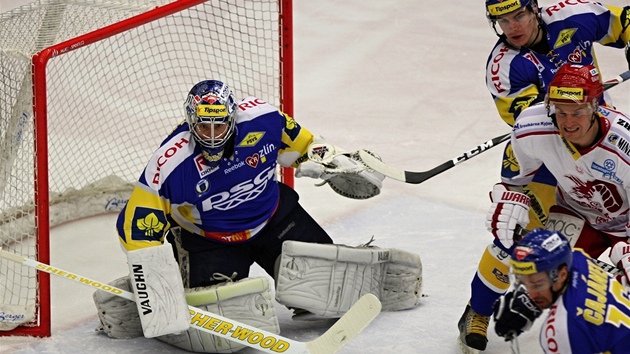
119	317
327	280
248	301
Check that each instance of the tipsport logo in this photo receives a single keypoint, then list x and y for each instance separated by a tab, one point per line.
504	7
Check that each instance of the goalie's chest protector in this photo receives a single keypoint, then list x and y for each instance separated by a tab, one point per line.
242	193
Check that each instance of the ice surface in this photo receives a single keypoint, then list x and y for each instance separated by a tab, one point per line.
404	79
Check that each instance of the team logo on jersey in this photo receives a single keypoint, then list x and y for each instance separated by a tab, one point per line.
519	104
202	187
291	127
598	195
251	139
607	170
252	161
510	164
564	37
148	224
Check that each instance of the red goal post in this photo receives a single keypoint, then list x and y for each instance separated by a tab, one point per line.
90	88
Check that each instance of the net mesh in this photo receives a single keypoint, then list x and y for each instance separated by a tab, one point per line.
110	104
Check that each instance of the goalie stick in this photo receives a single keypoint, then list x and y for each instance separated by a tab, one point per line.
345	329
419	177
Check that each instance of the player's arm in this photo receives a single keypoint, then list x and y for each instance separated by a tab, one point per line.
611	24
510	206
514	83
314	157
155	275
511	105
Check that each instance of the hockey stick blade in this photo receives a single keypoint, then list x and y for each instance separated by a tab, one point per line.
419	177
346	328
624	76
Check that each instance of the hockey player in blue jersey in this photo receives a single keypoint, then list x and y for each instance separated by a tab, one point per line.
589	310
533	43
211	191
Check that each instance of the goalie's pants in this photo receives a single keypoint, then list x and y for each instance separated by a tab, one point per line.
289	222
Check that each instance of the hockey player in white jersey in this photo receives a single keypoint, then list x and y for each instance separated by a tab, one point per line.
587	149
533	43
589	310
210	190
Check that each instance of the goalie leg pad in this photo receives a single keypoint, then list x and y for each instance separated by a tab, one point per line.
248	300
327	280
158	287
119	317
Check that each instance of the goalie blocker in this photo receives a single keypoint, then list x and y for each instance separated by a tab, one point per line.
326	279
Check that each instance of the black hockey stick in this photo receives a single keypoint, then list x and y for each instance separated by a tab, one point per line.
419	177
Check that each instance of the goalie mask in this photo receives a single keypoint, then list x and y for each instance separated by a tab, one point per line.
210	110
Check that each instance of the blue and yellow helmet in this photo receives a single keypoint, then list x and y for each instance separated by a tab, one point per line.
541	251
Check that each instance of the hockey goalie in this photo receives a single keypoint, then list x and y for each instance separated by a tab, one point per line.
208	206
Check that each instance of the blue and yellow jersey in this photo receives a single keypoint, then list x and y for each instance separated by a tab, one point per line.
592	316
229	203
517	78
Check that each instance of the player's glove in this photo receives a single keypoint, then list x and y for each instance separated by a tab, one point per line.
514	313
509	209
620	256
343	171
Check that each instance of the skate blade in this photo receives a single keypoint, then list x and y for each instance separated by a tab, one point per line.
466	349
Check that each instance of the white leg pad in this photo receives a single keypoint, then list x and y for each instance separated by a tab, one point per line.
119	317
159	291
248	300
328	279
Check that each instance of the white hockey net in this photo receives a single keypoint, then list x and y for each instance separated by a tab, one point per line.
109	105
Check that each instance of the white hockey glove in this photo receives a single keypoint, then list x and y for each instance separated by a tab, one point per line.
509	209
343	171
620	257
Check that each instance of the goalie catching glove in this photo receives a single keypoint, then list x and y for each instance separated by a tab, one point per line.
509	209
343	171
